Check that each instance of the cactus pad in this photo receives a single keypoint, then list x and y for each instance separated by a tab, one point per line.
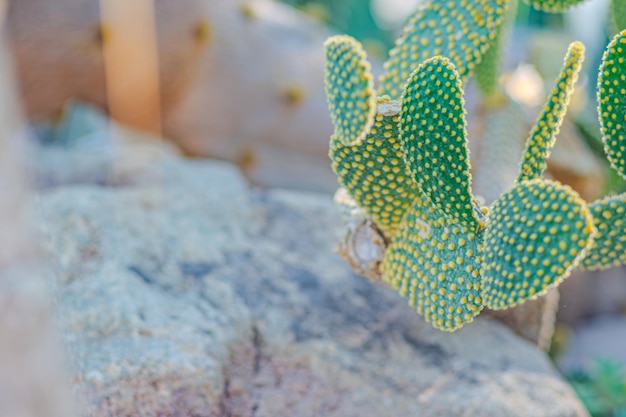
488	70
618	11
457	29
553	6
609	246
349	89
545	131
537	233
612	99
435	263
374	172
433	135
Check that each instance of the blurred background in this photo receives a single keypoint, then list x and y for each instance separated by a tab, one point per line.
109	88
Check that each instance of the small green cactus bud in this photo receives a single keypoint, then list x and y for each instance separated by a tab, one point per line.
553	6
434	138
612	99
537	233
374	172
457	29
545	131
349	89
609	246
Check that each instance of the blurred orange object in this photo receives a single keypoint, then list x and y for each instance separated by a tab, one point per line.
240	81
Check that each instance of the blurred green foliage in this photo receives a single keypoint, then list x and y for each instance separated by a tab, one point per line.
352	17
603	390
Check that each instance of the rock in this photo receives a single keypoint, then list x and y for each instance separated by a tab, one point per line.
85	147
199	296
217	60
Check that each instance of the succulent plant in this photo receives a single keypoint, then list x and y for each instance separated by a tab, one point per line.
406	164
618	12
609	247
553	5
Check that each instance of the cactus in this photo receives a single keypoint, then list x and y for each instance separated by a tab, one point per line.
450	258
553	6
456	29
347	75
618	12
409	170
374	172
546	129
488	69
608	247
442	256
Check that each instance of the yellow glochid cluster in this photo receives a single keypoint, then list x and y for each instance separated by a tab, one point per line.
546	129
609	247
537	233
435	263
349	89
434	138
374	172
458	29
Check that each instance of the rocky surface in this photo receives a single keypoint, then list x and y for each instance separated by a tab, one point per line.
196	296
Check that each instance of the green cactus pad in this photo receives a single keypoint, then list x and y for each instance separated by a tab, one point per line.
349	89
374	173
537	233
553	6
546	129
435	263
434	138
618	11
488	70
609	246
457	29
612	99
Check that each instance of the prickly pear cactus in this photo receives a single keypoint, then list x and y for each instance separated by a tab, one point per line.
452	257
442	255
618	12
488	70
373	171
546	129
406	164
538	232
457	29
554	6
609	248
349	89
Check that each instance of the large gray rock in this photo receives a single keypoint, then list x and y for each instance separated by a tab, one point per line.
201	297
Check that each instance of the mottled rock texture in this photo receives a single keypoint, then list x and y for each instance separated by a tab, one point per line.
195	295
